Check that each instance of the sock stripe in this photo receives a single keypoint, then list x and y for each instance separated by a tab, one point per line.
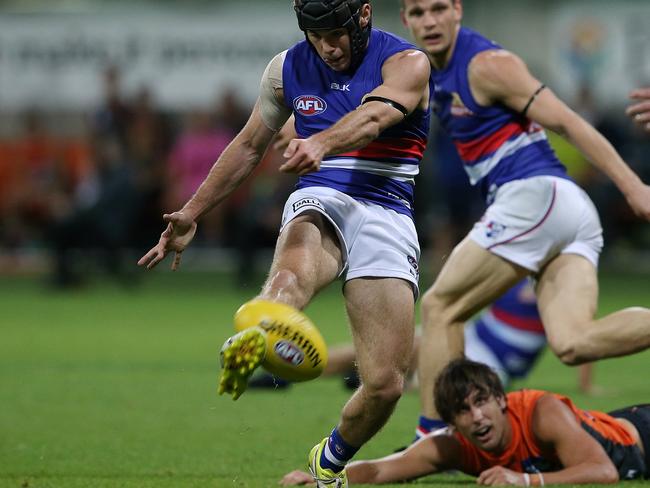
331	457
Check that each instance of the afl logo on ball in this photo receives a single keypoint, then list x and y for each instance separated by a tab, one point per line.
289	352
309	105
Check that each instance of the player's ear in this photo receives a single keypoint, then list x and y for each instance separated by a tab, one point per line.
458	8
503	404
364	17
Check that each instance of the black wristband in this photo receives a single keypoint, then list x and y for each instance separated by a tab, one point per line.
387	101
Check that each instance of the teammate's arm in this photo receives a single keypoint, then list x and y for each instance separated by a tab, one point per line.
431	454
584	460
233	166
499	76
640	110
405	81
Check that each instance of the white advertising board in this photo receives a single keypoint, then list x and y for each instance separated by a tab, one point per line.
57	60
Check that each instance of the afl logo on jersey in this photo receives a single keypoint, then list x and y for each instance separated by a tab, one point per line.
309	105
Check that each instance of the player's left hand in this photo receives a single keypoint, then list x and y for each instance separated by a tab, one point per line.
498	475
640	111
639	200
297	477
303	156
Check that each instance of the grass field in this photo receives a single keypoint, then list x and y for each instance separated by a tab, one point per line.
107	387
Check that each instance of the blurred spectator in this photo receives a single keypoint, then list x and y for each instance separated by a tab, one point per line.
255	213
192	155
619	221
99	217
42	170
446	204
148	140
230	112
113	115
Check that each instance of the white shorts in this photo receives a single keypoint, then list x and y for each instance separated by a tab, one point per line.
535	219
375	241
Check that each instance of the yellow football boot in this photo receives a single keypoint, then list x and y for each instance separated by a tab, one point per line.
325	478
240	355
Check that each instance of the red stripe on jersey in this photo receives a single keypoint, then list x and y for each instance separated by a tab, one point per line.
476	149
390	148
517	321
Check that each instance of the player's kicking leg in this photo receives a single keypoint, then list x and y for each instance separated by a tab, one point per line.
307	258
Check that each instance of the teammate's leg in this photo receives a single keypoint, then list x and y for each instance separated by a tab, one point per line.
471	279
567	295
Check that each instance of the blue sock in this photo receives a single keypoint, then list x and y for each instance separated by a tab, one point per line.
426	425
336	453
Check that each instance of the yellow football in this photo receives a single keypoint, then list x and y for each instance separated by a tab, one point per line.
295	349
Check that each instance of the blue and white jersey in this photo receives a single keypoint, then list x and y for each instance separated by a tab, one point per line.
496	143
382	172
509	335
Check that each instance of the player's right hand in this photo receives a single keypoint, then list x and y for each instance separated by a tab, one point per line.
498	476
297	477
303	156
178	234
640	111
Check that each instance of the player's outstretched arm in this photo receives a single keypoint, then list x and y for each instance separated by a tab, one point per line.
640	110
501	77
233	166
431	454
406	78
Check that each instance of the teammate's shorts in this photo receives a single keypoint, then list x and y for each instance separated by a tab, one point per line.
510	352
375	241
533	220
639	416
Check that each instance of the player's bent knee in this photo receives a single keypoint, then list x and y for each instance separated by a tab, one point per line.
571	351
285	283
384	388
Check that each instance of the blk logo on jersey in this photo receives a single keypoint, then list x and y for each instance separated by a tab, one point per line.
309	105
336	86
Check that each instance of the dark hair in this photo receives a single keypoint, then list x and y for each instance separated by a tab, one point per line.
458	380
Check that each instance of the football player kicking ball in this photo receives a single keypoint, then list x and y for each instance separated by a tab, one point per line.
360	97
523	438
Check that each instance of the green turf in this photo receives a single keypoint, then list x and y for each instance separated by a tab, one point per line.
107	387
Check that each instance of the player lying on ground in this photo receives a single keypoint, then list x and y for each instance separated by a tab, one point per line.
524	438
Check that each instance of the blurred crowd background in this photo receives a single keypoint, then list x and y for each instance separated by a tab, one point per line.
98	140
